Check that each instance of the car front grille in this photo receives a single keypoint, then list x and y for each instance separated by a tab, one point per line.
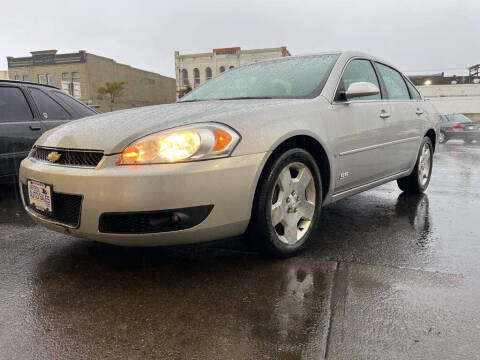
66	208
68	157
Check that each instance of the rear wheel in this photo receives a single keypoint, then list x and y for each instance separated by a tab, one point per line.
417	182
288	204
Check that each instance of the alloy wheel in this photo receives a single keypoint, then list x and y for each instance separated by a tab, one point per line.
293	202
424	164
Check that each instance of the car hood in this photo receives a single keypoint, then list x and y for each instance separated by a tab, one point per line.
112	132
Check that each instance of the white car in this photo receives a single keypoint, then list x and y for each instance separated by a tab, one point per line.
260	148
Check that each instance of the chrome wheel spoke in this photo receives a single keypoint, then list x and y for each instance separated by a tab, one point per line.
291	231
278	212
285	179
303	178
306	209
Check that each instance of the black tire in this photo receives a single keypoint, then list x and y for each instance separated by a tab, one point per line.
411	184
468	141
261	232
444	139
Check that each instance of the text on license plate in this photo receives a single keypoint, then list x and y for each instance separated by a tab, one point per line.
40	196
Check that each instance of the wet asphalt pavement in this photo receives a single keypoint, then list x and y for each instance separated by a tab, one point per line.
388	276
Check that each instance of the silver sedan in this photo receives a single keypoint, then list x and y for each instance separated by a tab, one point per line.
259	150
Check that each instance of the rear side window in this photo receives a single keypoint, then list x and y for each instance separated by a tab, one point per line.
359	71
394	83
414	94
49	106
77	107
13	105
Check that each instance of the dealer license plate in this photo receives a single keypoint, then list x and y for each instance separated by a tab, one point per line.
40	196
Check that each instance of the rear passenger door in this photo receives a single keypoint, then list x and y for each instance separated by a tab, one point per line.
18	128
401	130
51	112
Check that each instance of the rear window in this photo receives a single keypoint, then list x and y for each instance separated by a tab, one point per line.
46	105
79	108
13	105
458	118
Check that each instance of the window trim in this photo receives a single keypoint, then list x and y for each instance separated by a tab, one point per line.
403	78
39	112
379	79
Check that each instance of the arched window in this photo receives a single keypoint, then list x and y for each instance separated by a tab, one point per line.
185	77
231	67
208	72
222	69
196	76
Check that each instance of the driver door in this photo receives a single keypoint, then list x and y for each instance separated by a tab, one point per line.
359	124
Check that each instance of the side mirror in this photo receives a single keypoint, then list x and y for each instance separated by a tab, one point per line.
359	89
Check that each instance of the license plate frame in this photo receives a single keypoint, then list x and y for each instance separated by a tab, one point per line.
40	196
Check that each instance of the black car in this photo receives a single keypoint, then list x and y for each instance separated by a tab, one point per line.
459	127
26	111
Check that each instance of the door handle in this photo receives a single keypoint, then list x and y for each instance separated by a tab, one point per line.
35	128
384	114
419	112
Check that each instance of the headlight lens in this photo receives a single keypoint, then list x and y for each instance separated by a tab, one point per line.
186	143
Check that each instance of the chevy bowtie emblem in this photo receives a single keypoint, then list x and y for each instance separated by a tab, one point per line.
53	156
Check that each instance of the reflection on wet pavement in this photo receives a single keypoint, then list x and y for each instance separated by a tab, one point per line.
388	276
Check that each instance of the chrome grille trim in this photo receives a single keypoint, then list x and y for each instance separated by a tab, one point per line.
69	157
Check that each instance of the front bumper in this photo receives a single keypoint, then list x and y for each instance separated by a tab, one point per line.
228	184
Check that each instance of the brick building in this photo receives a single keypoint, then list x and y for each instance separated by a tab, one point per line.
81	74
192	70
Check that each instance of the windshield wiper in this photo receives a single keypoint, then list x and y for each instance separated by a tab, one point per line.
247	98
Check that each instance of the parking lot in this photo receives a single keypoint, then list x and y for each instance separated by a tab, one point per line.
390	276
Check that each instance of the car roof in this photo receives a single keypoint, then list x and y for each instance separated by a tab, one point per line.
27	83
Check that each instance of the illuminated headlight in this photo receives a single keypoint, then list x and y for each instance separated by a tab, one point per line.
185	143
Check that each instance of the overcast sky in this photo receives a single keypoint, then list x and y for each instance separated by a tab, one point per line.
412	34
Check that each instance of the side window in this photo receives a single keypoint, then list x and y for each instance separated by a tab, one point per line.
78	107
13	105
394	83
414	94
359	71
46	104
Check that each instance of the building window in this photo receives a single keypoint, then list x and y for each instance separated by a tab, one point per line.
231	67
42	79
25	78
18	78
75	77
65	76
208	73
222	69
185	77
196	76
49	79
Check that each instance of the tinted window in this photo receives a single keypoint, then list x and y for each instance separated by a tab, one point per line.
13	105
359	71
76	106
414	94
300	77
46	104
396	87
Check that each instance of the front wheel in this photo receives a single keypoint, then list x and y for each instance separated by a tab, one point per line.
288	204
417	182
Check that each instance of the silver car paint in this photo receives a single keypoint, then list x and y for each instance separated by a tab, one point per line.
363	149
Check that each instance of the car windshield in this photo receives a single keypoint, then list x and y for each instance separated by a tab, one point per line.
298	77
458	118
